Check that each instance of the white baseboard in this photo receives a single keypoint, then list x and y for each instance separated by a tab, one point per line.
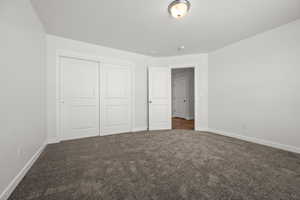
202	129
178	115
137	129
13	184
53	140
257	140
56	140
189	117
183	117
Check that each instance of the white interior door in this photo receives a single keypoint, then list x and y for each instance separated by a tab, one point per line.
115	99
159	98
180	97
79	98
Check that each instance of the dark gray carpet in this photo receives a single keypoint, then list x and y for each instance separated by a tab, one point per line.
162	165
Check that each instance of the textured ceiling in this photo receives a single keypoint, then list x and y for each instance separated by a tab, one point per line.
144	26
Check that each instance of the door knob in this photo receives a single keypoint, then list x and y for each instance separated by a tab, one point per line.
149	101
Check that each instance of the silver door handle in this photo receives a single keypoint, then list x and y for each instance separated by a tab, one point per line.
149	101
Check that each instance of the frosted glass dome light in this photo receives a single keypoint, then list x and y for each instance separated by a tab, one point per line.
179	8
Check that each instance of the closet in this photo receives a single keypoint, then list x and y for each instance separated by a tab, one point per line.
95	98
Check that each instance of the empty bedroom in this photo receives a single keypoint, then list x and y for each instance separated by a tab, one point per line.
149	100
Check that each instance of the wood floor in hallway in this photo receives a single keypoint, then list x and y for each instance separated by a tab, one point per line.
180	123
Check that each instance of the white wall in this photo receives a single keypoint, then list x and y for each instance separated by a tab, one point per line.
22	81
55	44
141	63
254	87
201	63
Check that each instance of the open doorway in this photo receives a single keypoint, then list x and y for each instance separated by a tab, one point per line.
183	94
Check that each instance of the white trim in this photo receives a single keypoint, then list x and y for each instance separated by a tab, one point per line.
257	140
138	129
196	89
58	95
78	137
132	96
189	118
53	140
100	60
183	117
203	129
17	179
179	115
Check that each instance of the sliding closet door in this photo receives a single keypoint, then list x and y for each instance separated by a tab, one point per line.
115	99
159	83
79	98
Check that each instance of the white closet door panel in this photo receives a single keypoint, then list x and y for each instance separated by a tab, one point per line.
159	98
115	98
79	98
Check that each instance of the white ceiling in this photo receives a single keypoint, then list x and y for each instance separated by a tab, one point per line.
144	26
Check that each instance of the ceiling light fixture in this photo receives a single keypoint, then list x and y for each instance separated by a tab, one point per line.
179	8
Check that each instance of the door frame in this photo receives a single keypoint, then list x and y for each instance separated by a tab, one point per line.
100	60
196	84
178	114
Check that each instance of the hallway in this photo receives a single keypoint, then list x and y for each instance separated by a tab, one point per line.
180	123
